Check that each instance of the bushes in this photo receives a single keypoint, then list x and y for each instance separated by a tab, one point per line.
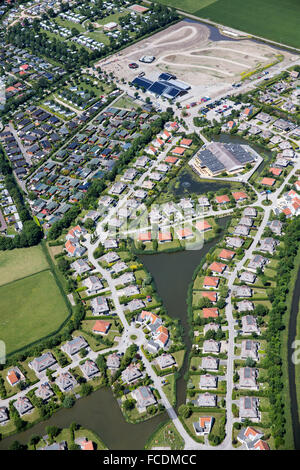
273	359
69	401
31	233
65	222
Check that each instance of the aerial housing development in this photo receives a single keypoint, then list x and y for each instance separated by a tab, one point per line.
149	227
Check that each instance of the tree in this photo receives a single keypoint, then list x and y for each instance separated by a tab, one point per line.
151	409
63	265
85	389
31	233
250	362
16	445
52	431
89	224
129	404
68	402
184	411
34	440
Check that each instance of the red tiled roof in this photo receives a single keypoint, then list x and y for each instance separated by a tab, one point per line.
251	431
178	151
88	446
297	184
211	281
145	237
101	326
226	254
12	377
186	142
261	445
203	420
275	171
184	232
163	329
268	181
239	195
217	267
222	199
203	225
287	211
212	296
150	315
163	338
211	312
70	247
172	160
164	236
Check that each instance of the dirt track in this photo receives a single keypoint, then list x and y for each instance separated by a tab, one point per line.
185	50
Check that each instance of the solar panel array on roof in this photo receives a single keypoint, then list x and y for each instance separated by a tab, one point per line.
171	92
208	159
142	82
166	76
220	156
163	86
158	88
240	153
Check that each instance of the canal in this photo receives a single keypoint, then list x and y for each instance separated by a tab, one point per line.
172	273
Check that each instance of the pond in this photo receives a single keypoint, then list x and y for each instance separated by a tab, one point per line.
172	273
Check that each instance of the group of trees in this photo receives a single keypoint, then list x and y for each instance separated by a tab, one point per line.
40	44
31	233
273	360
71	55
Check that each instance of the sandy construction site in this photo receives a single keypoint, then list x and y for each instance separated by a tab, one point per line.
186	50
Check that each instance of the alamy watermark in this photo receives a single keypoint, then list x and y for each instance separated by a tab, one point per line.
143	223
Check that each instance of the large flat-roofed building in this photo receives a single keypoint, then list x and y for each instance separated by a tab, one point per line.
218	157
167	86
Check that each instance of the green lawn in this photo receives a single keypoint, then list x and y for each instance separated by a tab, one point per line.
166	436
188	5
69	24
99	36
217	426
126	102
277	20
31	308
21	262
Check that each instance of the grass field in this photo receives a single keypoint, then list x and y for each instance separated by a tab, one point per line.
30	309
20	263
277	20
166	436
126	102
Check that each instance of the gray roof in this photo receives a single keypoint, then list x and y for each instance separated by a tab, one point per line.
219	156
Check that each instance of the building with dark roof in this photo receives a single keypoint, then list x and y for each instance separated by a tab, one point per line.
218	157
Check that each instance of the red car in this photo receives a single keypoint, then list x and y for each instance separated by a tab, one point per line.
133	65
